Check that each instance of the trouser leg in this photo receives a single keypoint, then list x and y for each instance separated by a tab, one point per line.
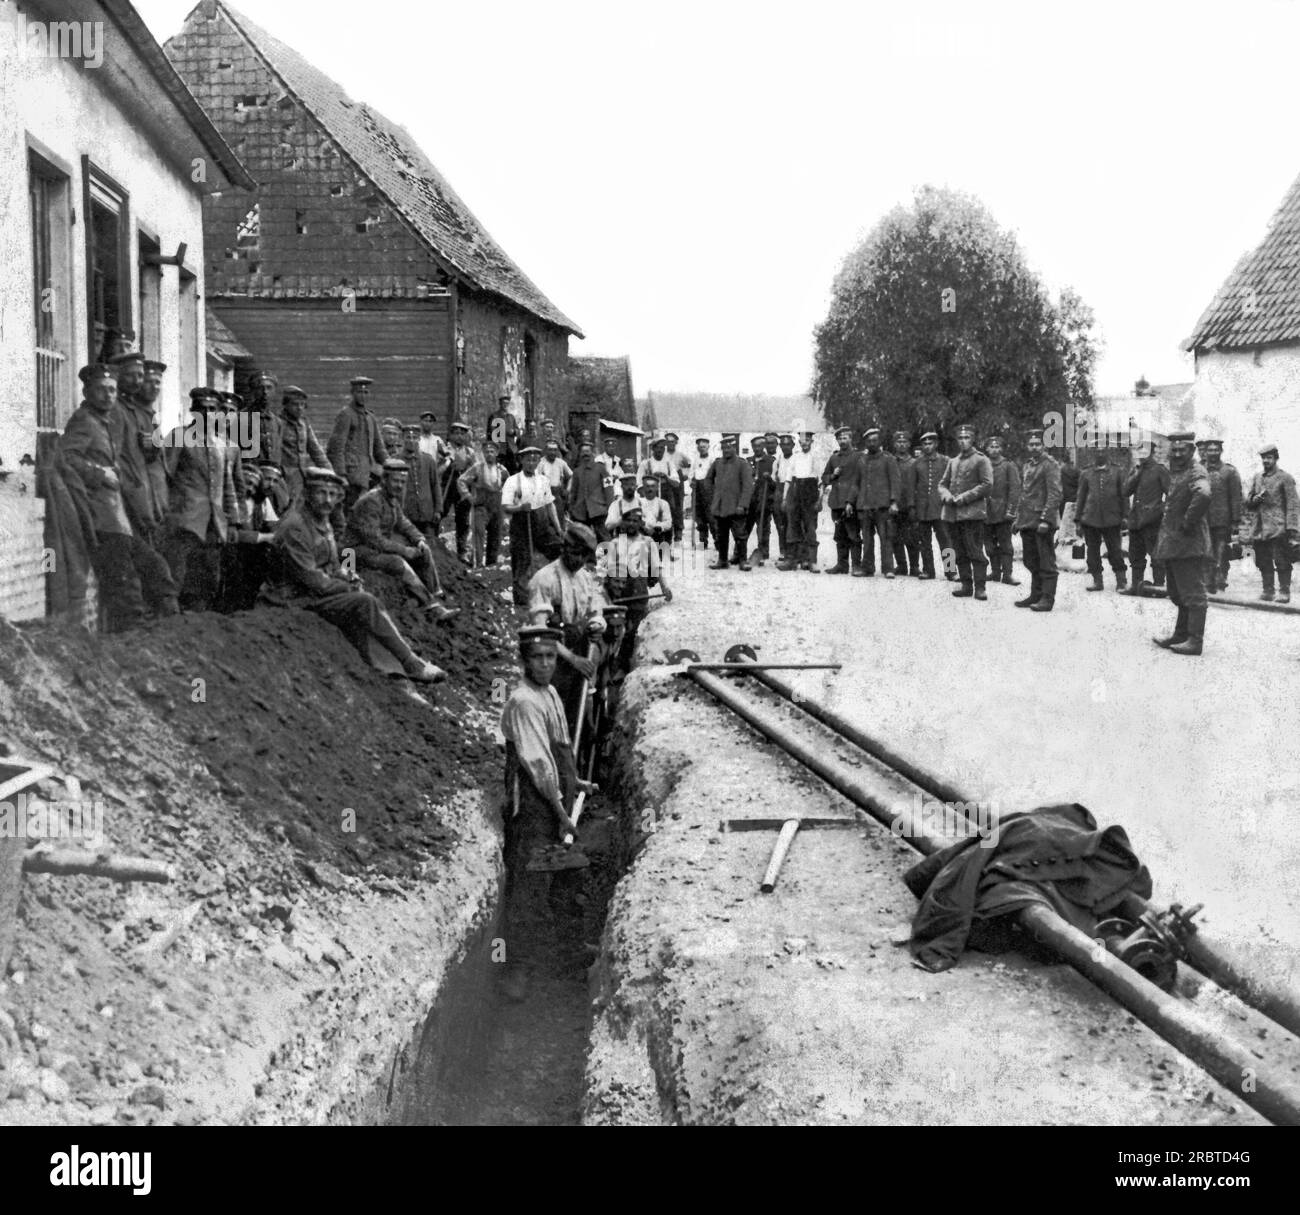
156	584
1264	562
900	545
1151	536
1092	539
722	528
1114	550
362	619
1045	545
1137	554
675	505
947	547
463	512
739	534
521	555
1029	555
925	535
782	524
119	585
855	538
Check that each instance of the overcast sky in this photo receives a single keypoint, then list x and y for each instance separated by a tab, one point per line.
684	178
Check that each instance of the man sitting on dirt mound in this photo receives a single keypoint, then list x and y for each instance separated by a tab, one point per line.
305	573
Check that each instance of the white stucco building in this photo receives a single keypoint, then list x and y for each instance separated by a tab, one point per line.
104	160
1247	349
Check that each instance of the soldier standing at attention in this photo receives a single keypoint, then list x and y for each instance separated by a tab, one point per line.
927	471
731	485
964	489
841	476
907	552
1036	520
1004	502
1147	486
356	448
1225	511
1184	545
877	505
1099	510
1276	527
503	430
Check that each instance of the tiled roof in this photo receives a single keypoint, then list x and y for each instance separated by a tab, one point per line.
1259	303
392	160
604	384
221	341
706	412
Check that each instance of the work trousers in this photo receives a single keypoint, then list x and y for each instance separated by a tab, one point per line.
416	574
731	529
907	552
1186	581
1093	536
130	576
877	522
531	538
464	510
938	530
622	588
487	534
700	509
1216	566
848	536
781	521
362	620
801	519
1038	549
760	520
530	905
672	491
968	540
1273	555
1001	551
1141	544
196	566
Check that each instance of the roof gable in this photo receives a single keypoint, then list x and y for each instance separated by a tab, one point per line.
1259	302
387	156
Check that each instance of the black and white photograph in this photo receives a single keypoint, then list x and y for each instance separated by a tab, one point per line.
682	564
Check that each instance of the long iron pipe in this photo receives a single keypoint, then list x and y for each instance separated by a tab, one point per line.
1214	958
1229	1063
1258	605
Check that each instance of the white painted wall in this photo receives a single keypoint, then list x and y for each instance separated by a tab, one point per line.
62	107
1248	398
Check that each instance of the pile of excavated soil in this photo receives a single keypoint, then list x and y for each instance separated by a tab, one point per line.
332	850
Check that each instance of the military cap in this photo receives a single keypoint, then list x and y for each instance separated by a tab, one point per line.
731	438
786	435
770	434
580	533
672	435
523	451
360	379
929	434
537	632
806	434
900	434
411	428
1211	443
843	430
627	476
965	432
155	365
322	476
96	371
1034	433
393	464
610	439
503	399
127	356
633	512
204	394
232	399
1268	450
461	426
650	479
488	443
428	413
613	609
1183	436
659	442
292	390
993	439
870	430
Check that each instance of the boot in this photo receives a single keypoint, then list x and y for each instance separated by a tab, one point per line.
1032	598
1267	596
841	565
1096	584
1136	587
1178	636
1284	587
1195	639
965	591
1121	580
979	591
1043	604
1009	579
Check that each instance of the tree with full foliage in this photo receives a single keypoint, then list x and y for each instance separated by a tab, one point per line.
936	320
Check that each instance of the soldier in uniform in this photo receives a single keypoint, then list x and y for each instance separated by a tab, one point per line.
1225	511
305	573
1099	510
356	448
129	572
841	476
1146	486
731	486
300	449
135	424
675	486
877	505
271	433
700	491
802	506
534	526
1184	545
483	484
927	471
1004	503
589	500
964	489
907	552
503	430
1275	527
203	503
383	538
150	437
422	502
759	520
1036	521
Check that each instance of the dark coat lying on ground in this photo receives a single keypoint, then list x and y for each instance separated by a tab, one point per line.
1053	855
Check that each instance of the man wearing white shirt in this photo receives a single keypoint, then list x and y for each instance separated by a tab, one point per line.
613	466
781	475
700	491
656	514
527	501
558	473
803	504
431	443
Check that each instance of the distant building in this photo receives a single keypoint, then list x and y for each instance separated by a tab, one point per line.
105	158
355	255
600	392
704	412
1247	347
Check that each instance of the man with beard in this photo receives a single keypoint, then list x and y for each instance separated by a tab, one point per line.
135	424
1225	511
1184	545
558	473
422	501
1036	521
675	487
1099	510
631	566
1004	502
781	476
589	500
964	489
841	477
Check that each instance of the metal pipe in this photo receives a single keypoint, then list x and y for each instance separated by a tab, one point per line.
751	667
1225	1060
783	841
1258	605
635	598
1214	957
